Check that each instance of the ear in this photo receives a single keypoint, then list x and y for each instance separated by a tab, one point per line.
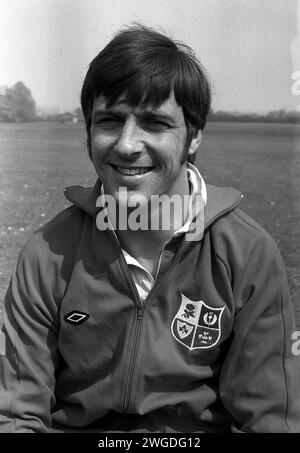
196	140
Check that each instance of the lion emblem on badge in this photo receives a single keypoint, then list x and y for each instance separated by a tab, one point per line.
196	325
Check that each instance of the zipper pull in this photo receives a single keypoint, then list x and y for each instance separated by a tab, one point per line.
2	335
2	344
140	313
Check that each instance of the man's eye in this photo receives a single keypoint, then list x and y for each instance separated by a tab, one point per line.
108	123
156	126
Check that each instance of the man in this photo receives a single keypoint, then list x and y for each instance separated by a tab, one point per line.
138	329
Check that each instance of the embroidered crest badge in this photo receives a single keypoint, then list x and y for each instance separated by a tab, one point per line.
197	325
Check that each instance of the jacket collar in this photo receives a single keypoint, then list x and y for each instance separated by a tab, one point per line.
219	200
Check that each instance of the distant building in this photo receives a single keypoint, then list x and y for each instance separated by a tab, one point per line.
68	117
4	105
2	90
40	114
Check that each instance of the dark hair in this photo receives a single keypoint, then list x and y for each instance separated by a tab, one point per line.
144	66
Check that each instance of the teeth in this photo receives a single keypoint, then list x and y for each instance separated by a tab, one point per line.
132	171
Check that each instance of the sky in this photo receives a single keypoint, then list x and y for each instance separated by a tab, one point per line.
251	48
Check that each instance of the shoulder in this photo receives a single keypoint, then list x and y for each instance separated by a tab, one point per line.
240	240
226	221
252	260
56	239
236	225
46	262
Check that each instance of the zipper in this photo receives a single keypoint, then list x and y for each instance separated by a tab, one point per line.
140	311
138	323
137	333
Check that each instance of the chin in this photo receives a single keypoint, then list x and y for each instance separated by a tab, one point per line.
132	198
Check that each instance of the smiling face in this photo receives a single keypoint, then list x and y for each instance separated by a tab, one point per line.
141	148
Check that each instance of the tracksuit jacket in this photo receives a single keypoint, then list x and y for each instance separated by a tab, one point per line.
209	350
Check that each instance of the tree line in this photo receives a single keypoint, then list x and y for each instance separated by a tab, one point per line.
274	116
18	105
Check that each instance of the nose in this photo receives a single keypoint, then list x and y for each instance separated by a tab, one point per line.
129	141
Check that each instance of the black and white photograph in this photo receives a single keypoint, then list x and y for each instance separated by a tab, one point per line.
150	212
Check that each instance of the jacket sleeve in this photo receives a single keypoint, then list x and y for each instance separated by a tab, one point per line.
259	382
30	328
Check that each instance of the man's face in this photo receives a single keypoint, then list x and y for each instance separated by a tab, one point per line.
140	148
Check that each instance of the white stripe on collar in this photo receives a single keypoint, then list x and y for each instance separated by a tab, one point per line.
195	179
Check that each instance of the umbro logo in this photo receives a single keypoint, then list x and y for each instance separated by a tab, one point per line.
76	317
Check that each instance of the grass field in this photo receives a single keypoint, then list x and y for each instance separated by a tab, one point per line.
261	160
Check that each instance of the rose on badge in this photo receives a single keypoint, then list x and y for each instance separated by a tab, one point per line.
196	325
